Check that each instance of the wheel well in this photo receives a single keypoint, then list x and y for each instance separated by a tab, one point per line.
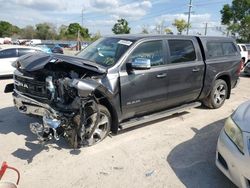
105	102
226	78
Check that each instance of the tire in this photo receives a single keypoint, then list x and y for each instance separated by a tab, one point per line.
103	127
217	96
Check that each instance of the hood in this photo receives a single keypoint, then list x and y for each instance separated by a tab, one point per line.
241	116
36	61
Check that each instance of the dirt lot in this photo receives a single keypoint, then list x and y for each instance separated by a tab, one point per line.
178	151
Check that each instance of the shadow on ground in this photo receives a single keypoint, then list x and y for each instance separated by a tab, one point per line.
194	160
12	121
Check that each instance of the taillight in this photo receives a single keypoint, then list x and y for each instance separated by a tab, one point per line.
241	66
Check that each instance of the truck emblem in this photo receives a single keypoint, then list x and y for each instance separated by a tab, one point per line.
17	83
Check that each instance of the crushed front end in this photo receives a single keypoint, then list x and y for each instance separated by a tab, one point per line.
61	90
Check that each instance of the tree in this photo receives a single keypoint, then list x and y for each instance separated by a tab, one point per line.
181	25
121	27
168	31
28	32
74	28
45	31
96	36
62	32
7	29
237	18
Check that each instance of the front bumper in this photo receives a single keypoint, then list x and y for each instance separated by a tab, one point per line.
30	106
234	164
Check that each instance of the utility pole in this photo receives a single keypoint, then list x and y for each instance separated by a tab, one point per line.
82	17
205	28
189	13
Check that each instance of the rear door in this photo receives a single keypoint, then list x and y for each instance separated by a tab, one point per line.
185	71
143	91
7	57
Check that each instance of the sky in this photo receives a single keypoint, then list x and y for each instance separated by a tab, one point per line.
101	15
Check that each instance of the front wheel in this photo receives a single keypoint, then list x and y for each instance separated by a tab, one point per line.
217	96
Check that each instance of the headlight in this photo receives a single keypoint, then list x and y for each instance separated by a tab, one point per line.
234	133
16	64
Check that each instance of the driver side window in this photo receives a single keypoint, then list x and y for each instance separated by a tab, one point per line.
150	50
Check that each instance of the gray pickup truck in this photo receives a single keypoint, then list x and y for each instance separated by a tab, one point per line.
122	81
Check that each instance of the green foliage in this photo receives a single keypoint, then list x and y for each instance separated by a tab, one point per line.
181	25
168	31
7	29
121	27
237	18
28	32
96	36
74	28
45	31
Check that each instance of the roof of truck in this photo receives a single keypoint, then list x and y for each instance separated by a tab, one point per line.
147	36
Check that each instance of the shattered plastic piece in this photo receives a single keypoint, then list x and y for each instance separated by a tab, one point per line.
150	173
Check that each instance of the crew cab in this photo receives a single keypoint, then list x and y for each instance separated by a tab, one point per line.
122	81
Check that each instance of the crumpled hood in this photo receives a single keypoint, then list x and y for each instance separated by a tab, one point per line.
36	61
241	116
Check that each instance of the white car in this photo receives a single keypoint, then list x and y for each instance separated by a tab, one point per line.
233	147
243	53
11	54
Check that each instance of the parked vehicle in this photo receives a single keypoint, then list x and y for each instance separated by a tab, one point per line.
243	52
9	55
247	69
248	49
54	48
33	42
122	81
233	148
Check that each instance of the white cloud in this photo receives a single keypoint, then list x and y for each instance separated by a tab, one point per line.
197	22
105	3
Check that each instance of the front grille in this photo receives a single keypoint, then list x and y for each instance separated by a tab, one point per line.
30	87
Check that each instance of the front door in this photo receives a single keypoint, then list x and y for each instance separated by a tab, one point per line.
143	91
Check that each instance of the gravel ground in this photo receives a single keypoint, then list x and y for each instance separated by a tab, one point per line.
178	151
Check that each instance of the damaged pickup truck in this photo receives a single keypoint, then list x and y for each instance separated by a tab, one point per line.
122	81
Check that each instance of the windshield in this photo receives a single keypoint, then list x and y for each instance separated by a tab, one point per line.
106	51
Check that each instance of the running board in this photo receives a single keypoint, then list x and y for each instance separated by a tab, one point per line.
158	115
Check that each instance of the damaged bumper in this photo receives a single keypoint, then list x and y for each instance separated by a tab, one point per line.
30	106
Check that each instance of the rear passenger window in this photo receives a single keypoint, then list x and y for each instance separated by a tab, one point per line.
244	48
8	53
229	48
181	51
214	49
220	49
151	50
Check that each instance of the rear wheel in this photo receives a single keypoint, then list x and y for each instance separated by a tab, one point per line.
218	95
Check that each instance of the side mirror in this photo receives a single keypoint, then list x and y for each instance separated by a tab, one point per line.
141	63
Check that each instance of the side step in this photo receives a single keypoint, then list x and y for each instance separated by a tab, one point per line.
158	115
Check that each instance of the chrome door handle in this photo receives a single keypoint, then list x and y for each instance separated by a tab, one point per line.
196	69
162	75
